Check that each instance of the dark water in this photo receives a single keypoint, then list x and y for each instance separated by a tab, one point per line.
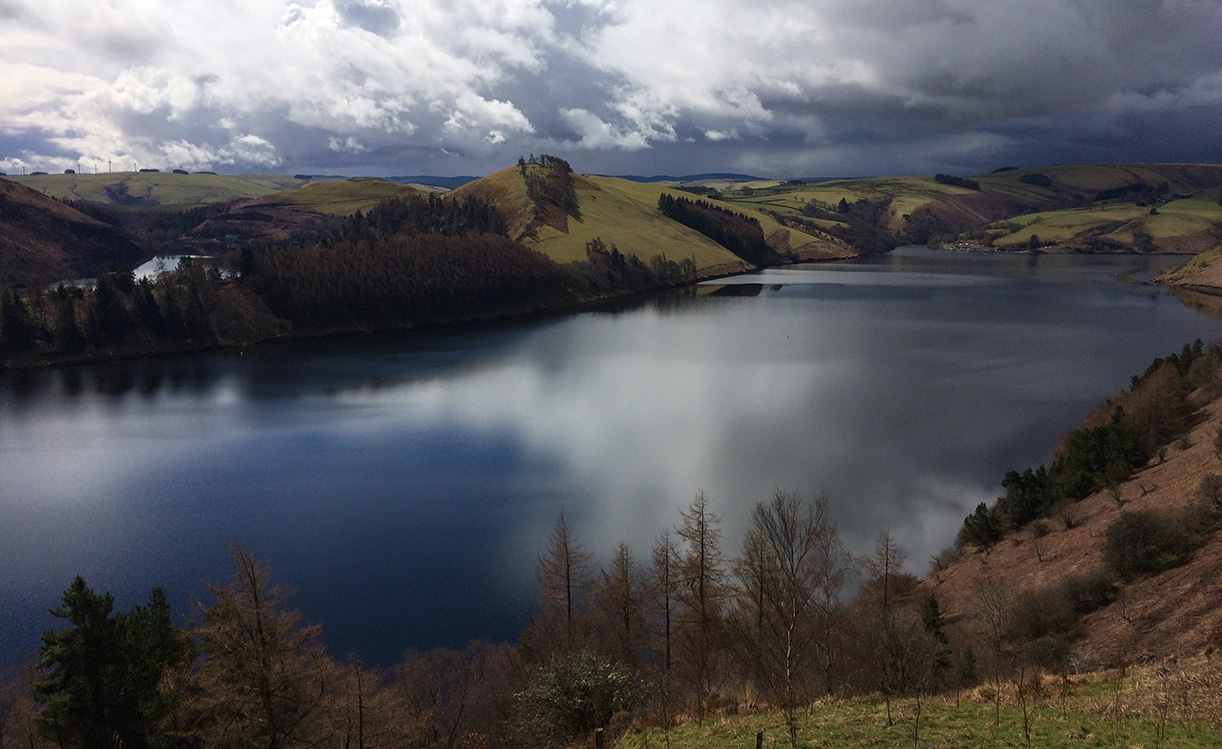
405	484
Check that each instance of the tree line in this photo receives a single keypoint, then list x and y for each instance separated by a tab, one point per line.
737	232
406	262
683	631
192	305
686	630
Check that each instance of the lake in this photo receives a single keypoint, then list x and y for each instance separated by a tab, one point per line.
404	484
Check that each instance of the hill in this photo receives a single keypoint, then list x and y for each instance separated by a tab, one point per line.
1092	207
305	211
43	241
1043	576
158	188
625	214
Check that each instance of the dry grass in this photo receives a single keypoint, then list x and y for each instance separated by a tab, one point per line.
1177	613
1177	704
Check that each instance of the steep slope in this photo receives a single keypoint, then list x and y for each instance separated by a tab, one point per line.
1175	613
43	240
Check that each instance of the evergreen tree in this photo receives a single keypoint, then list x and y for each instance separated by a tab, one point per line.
100	677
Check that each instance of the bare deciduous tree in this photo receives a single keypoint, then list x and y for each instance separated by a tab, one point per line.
703	593
780	618
618	598
564	574
264	674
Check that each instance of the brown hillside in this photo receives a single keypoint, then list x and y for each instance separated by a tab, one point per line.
44	241
317	207
1176	613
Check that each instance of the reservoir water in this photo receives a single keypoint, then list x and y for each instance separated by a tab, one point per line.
404	484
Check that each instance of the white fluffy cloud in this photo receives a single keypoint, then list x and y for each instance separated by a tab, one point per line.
385	86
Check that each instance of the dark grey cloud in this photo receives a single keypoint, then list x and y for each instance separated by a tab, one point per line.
782	87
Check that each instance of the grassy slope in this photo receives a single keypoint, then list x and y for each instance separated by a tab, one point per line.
1100	709
158	188
338	198
1180	226
624	213
278	215
907	193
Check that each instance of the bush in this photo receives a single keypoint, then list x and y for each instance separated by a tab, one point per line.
1087	593
575	695
1208	505
1042	613
1051	653
1142	542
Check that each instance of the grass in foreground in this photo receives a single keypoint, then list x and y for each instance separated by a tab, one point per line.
1155	706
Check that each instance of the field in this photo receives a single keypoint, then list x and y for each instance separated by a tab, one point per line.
338	198
907	193
158	188
1143	707
1177	219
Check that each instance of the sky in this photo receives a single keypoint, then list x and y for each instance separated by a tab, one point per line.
777	88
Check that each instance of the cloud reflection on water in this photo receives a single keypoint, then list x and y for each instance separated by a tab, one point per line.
407	483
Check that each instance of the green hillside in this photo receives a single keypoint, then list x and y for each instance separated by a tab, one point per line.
158	188
1090	207
337	198
624	213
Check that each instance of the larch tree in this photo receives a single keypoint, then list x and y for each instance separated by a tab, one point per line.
703	593
263	679
662	589
564	575
618	597
883	566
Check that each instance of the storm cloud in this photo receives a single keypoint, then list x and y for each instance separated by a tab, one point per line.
785	88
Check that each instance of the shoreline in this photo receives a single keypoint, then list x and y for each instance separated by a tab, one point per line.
162	349
156	350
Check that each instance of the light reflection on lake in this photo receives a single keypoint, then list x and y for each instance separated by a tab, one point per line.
405	484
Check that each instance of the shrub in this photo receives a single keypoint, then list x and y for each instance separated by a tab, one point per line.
1051	653
575	695
1204	515
1041	613
1086	593
1142	542
944	559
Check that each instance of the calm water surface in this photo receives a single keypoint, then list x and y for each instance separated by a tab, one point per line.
405	484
